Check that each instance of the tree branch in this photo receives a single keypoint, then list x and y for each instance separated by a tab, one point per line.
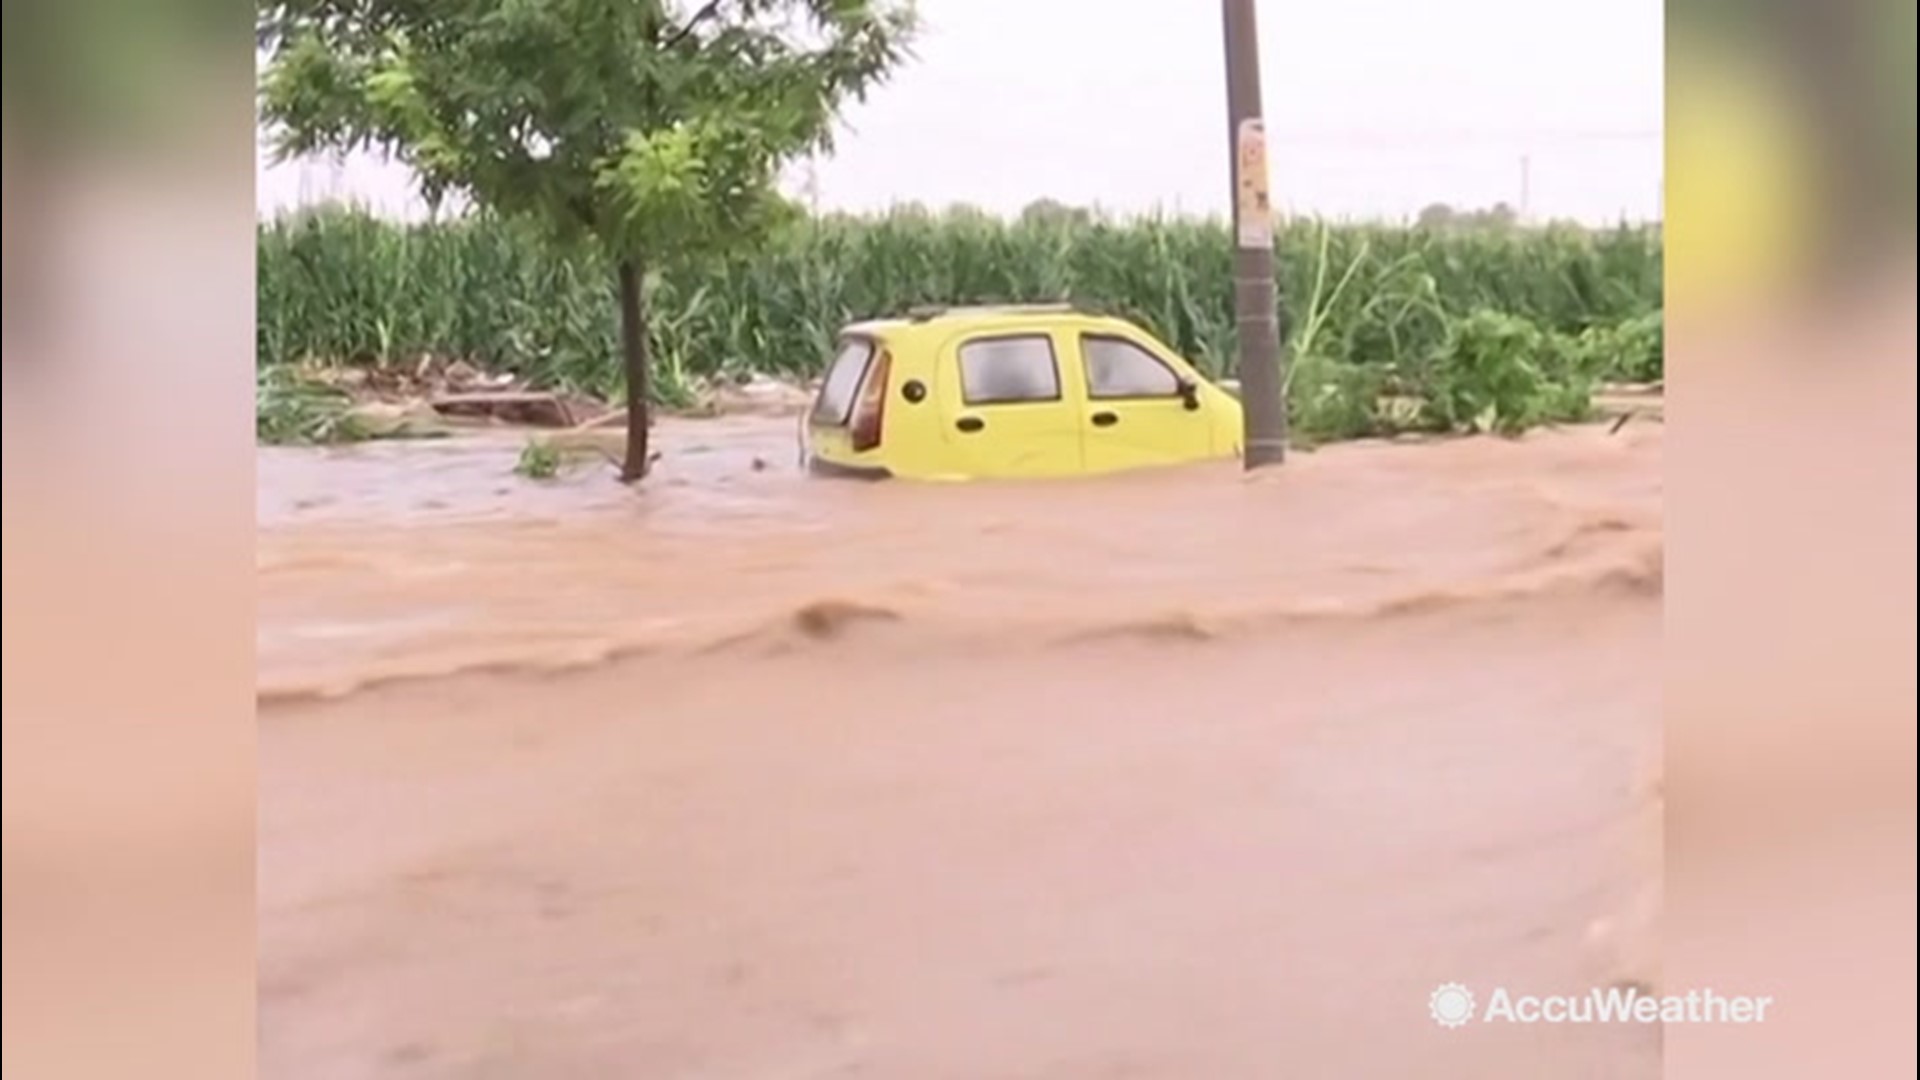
698	17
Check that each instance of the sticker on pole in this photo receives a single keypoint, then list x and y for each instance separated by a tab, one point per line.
1253	205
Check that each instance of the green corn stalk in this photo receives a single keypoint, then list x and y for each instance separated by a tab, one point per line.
335	284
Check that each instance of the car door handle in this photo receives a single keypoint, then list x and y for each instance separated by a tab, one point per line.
1105	419
970	423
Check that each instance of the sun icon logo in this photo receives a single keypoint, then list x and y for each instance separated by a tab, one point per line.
1451	1005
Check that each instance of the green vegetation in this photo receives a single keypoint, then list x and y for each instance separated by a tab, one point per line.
1391	328
292	410
538	461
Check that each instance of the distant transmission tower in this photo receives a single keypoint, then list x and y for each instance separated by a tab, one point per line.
812	185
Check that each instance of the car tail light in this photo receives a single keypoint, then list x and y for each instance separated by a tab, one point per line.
869	413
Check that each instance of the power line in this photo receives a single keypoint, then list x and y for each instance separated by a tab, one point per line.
1454	137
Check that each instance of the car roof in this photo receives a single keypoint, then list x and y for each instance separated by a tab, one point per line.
977	314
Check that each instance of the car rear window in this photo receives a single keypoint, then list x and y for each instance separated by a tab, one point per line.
842	384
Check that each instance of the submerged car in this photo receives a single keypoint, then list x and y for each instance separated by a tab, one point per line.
1010	392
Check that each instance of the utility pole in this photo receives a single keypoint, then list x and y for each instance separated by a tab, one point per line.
1526	188
1255	303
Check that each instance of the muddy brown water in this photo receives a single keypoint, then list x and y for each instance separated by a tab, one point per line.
1185	774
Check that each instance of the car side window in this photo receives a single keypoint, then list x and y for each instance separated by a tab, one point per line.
1007	370
1117	368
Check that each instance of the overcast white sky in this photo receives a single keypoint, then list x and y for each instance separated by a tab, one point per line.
1375	108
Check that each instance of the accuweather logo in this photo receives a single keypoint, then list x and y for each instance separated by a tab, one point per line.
1452	1005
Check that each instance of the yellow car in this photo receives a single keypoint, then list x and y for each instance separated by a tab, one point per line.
1011	392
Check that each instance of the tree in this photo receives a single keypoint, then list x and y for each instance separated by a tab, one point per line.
1442	216
654	131
1052	212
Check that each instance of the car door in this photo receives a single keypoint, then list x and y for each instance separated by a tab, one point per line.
1136	412
1005	410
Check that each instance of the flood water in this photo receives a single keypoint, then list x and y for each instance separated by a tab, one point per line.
1187	774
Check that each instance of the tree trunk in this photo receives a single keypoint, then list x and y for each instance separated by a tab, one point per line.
633	346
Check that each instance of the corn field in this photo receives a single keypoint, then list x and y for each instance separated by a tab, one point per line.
1367	309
